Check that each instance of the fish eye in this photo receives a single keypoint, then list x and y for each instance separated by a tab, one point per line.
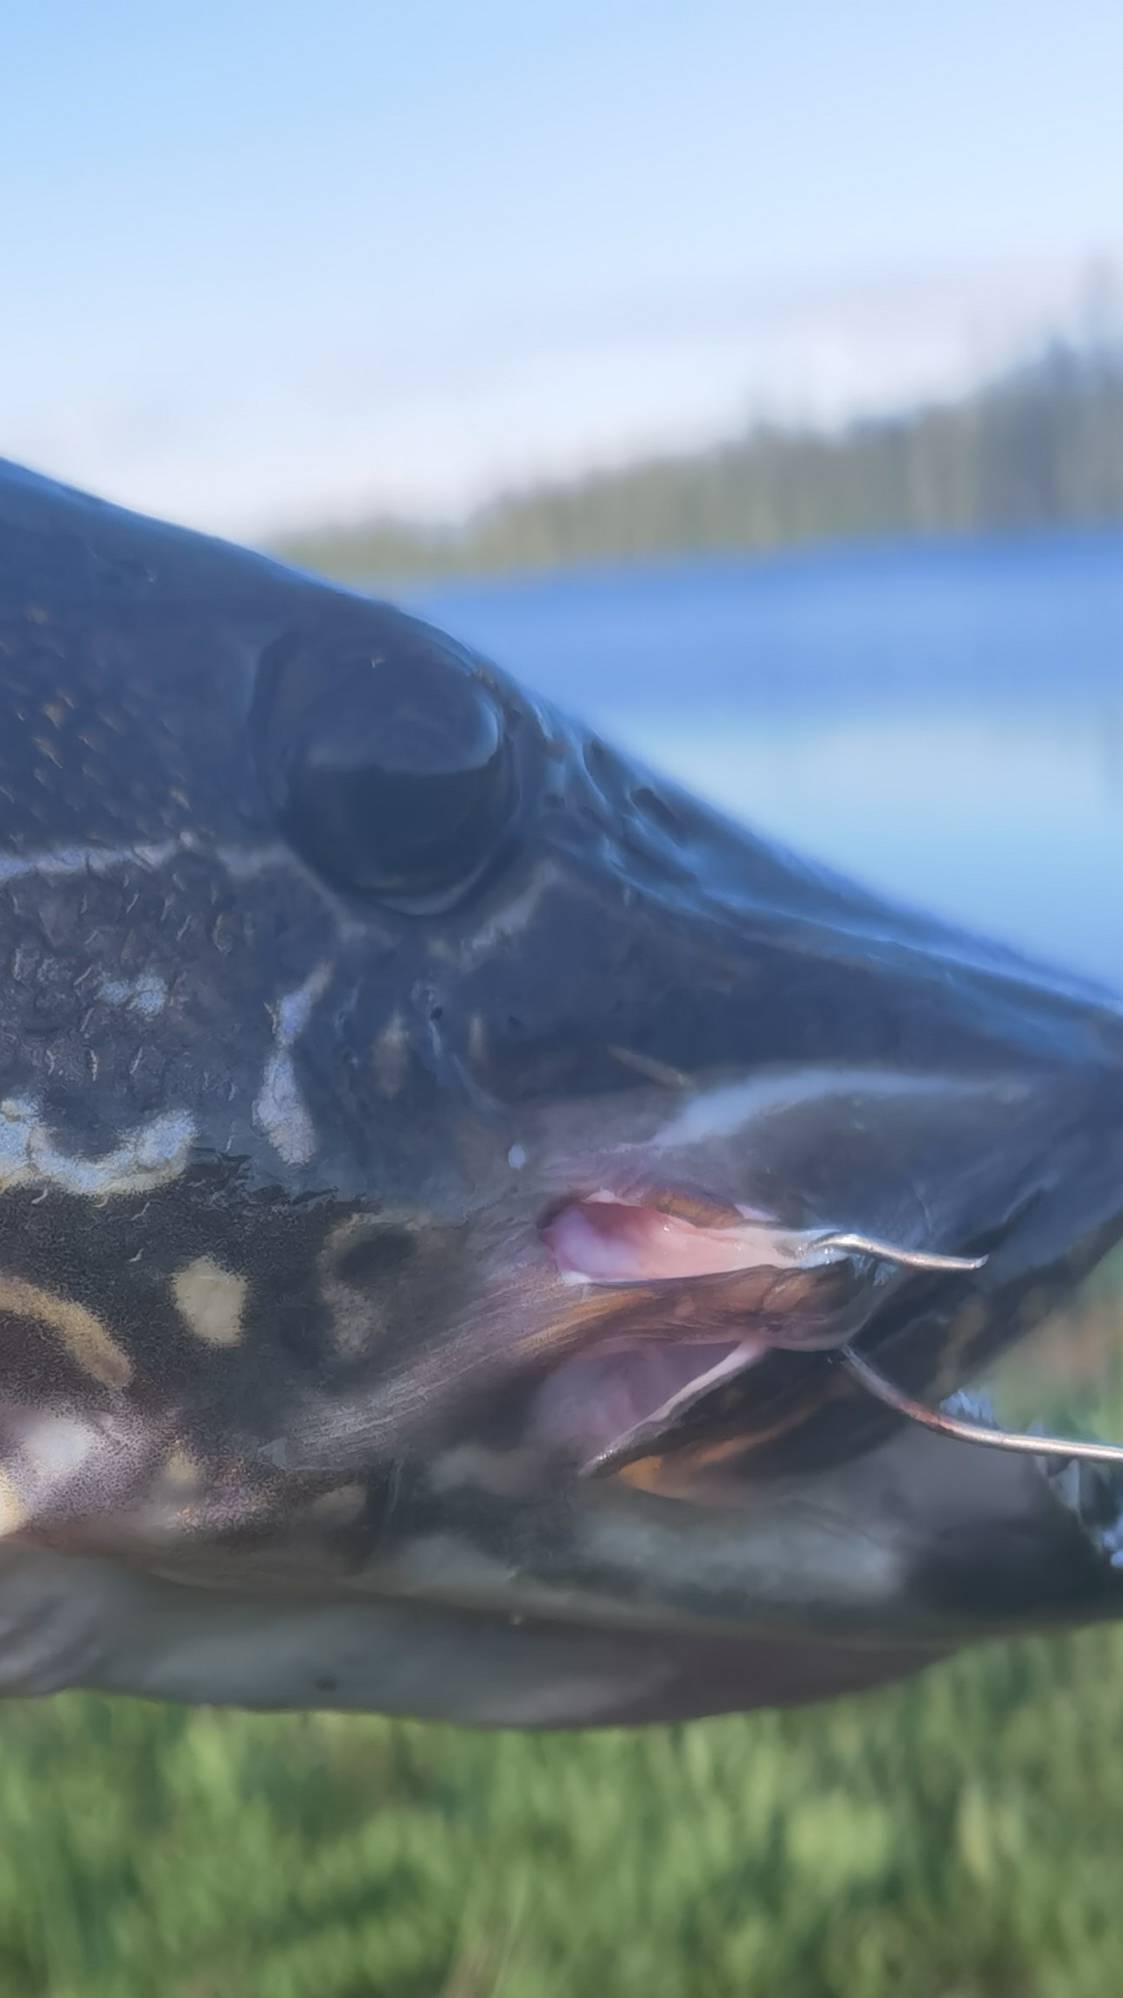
388	764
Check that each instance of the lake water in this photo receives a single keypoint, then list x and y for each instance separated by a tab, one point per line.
944	721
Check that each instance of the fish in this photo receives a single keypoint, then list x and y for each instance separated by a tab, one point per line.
444	1168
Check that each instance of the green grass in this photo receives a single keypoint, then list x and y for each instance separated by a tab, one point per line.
957	1836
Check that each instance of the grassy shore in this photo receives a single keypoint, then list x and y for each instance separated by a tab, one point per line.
955	1838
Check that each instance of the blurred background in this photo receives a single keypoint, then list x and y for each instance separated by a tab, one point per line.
751	381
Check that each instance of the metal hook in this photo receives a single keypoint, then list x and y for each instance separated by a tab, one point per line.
875	1383
885	1252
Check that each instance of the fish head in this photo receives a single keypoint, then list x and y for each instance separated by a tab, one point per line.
442	1161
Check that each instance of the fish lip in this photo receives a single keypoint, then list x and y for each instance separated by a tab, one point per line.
680	1197
685	1209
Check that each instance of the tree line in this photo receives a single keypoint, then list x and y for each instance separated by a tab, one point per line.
1040	445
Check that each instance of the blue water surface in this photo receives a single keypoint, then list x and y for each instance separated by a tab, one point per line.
943	720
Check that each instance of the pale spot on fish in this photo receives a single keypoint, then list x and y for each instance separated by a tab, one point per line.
391	1056
516	1157
146	1157
57	1448
90	1345
341	1507
63	860
280	1109
181	1468
13	1512
211	1300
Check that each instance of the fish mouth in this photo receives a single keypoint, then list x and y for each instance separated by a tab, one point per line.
929	1229
707	1293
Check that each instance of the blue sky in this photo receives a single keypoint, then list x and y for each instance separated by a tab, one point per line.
266	262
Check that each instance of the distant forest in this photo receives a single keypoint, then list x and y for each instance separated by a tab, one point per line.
1040	445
